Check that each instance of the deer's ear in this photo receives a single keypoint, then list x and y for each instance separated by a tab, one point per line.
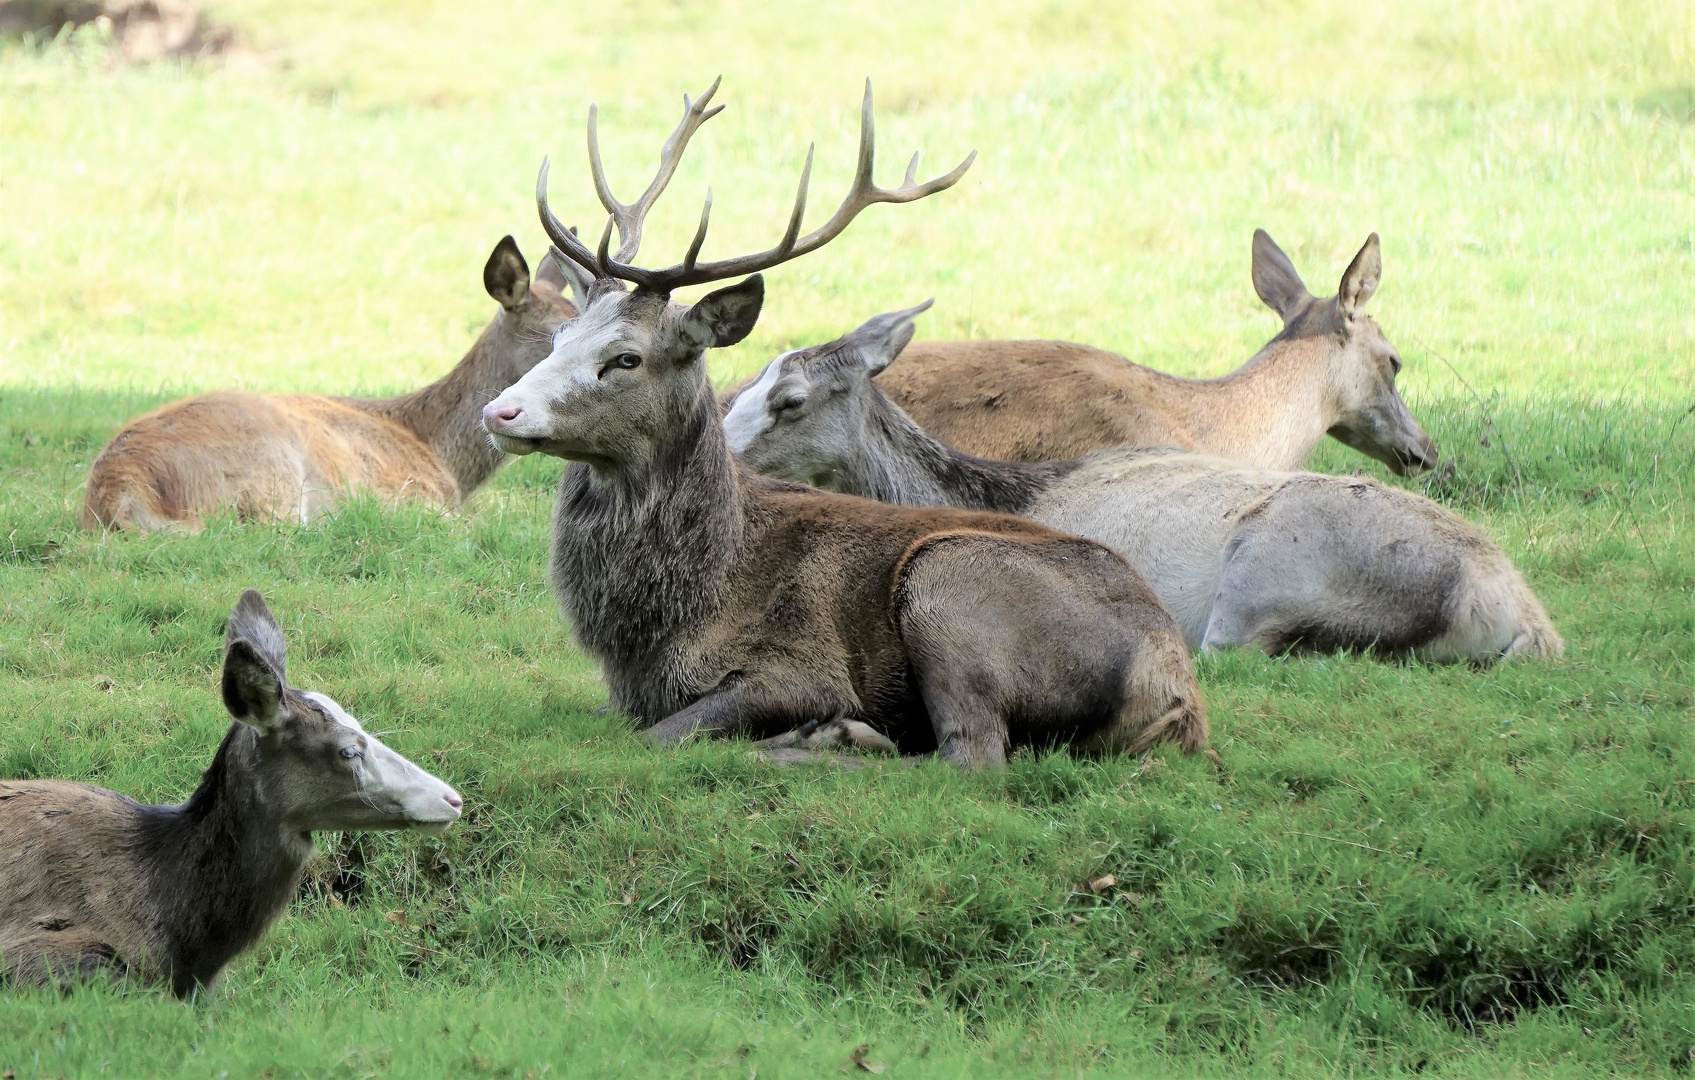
506	275
253	689
252	621
1359	281
727	316
883	337
1275	279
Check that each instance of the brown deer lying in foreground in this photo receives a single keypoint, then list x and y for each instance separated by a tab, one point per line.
1240	555
91	881
1330	371
721	602
293	456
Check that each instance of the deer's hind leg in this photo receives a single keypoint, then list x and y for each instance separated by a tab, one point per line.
1290	582
1033	643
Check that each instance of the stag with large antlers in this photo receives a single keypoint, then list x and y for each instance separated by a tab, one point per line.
721	602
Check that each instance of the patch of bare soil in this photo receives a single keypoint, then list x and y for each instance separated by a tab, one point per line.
141	30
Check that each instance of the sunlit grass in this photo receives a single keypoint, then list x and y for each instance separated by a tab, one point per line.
1403	869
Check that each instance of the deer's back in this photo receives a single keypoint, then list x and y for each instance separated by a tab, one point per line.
1035	400
69	886
276	456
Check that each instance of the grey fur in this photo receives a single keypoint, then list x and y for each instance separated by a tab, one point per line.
1240	555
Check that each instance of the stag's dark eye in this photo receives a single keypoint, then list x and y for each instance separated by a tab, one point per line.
788	405
626	361
350	752
1395	362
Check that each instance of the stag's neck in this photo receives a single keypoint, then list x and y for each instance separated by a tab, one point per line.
1271	411
224	864
642	556
447	414
899	462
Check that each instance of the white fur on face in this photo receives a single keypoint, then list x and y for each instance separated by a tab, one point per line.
422	797
337	713
750	415
572	366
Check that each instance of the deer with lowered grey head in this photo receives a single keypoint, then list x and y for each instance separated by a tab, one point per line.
92	882
1330	371
294	456
1241	555
720	602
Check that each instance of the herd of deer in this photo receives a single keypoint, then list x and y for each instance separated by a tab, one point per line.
817	560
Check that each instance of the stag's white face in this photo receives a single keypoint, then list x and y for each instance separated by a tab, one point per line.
597	383
622	377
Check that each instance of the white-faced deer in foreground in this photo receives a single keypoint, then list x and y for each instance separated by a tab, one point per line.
1331	371
720	602
292	456
92	882
1241	555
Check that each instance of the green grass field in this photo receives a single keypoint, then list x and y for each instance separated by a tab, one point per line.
1404	870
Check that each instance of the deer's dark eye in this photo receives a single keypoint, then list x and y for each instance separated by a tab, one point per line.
350	752
788	404
1395	362
626	361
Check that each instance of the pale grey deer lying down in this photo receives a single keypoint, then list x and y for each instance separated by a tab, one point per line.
721	602
292	457
93	882
1240	555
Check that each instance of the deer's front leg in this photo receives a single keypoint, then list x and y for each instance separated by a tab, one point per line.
724	711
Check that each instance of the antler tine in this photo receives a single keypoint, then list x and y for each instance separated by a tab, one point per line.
630	216
789	234
563	238
693	253
862	192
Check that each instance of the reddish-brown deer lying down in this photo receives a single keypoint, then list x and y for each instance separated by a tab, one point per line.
1330	371
1240	555
720	602
93	882
293	456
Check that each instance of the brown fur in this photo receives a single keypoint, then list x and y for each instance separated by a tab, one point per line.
1240	555
721	602
92	881
1329	371
293	456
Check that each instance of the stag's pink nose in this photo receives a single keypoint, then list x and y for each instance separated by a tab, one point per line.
453	800
497	415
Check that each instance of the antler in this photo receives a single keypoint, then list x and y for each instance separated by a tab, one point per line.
628	217
862	193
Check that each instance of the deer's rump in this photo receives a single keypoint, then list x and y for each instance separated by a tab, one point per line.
1032	400
266	456
1302	560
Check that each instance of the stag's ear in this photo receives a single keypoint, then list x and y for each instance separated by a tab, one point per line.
727	316
506	275
558	270
253	689
1359	281
1275	279
883	337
